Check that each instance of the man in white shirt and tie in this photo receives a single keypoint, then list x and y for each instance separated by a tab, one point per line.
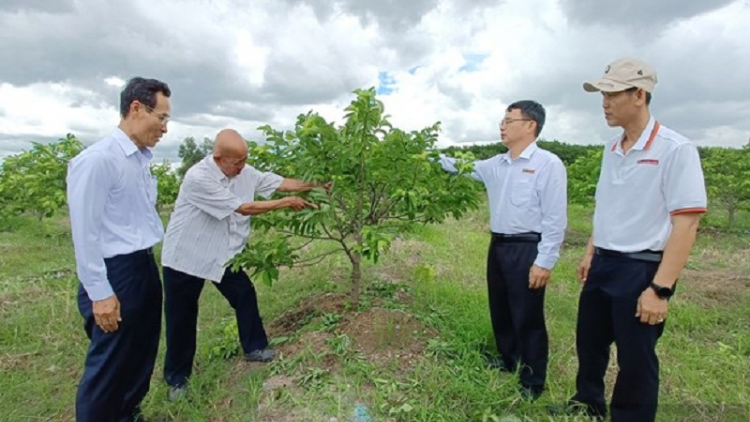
114	223
527	195
209	226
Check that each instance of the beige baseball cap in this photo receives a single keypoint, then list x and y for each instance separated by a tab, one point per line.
624	74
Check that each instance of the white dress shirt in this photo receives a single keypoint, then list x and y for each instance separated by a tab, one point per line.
526	194
638	192
112	202
205	232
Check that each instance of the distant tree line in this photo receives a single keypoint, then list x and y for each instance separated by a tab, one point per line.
726	170
33	181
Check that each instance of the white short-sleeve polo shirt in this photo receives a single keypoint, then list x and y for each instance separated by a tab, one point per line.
638	192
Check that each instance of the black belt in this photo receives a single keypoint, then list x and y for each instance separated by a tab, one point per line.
647	255
147	251
529	237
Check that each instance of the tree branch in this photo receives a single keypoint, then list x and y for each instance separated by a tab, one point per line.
309	262
406	218
305	236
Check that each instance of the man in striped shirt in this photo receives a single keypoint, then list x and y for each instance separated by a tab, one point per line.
209	226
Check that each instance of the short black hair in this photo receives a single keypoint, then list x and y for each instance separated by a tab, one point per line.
648	94
142	90
531	110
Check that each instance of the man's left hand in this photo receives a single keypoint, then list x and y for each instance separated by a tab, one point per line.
651	309
538	277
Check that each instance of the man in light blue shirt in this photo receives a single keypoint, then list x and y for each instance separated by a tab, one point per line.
527	195
113	218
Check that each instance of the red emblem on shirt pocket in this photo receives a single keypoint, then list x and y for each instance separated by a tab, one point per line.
530	171
649	161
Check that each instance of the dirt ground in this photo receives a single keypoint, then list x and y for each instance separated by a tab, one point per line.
713	287
381	336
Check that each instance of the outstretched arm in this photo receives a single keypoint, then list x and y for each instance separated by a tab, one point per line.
296	185
262	207
449	164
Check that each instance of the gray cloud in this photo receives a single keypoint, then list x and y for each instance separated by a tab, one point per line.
19	6
461	99
77	47
636	13
399	20
702	85
230	110
118	39
389	14
297	80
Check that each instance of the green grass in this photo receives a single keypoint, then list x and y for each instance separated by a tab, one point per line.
432	288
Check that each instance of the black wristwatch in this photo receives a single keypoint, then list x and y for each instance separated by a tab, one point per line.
661	291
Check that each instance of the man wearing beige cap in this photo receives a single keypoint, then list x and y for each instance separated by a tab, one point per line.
649	198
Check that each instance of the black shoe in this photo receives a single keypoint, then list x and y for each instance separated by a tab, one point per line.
140	418
261	355
177	393
574	408
530	393
498	363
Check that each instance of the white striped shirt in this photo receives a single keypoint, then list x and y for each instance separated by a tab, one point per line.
526	194
205	232
112	202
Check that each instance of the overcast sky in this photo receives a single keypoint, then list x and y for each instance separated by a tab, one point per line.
242	64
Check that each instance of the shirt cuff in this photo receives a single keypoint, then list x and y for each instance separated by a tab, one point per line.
545	261
689	210
236	203
99	291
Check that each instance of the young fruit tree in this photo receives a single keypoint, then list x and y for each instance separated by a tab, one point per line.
33	181
167	184
385	181
726	171
583	175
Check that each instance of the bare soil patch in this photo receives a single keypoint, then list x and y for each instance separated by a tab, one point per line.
307	309
382	336
714	287
13	362
385	335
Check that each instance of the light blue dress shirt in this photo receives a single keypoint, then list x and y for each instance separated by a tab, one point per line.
112	202
526	194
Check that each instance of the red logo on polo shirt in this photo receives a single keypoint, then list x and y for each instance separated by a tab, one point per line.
530	171
649	161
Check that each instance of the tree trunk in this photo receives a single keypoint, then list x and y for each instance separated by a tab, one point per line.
356	278
730	215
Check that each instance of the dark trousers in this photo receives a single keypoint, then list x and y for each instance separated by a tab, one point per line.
606	314
119	364
517	312
181	294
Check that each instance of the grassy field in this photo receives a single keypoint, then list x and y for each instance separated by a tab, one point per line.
412	351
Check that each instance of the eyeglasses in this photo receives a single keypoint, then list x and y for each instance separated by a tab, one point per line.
163	118
509	121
